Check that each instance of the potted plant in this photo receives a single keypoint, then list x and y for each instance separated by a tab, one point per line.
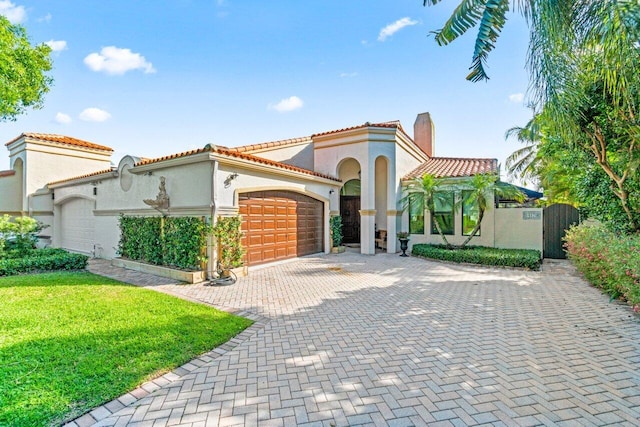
403	236
335	224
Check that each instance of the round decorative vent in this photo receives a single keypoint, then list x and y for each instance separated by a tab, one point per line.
126	178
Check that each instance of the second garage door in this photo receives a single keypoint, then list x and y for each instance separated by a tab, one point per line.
77	225
279	225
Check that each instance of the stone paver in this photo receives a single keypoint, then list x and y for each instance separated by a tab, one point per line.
360	340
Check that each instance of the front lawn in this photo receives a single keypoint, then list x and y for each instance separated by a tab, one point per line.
70	341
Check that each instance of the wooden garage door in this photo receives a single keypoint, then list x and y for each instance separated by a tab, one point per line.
279	225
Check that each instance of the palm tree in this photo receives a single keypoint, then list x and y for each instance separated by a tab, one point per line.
484	189
559	31
523	163
425	192
422	194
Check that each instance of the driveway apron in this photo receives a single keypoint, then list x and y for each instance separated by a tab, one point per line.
383	340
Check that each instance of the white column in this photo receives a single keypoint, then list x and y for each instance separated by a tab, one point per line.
368	208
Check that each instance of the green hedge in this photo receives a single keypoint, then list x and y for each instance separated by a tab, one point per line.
525	258
172	241
43	260
607	260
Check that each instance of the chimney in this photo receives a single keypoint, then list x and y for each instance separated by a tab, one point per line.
424	133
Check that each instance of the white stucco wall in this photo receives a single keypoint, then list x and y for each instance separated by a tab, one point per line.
42	167
300	154
11	194
519	228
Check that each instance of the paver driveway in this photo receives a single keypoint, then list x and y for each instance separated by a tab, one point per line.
352	339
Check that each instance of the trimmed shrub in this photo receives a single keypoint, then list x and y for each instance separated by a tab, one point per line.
524	258
43	260
228	231
607	260
172	241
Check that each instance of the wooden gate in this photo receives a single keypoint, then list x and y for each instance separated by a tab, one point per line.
557	219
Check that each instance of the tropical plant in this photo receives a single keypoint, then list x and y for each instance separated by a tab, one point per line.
480	190
336	231
18	235
23	81
483	188
422	194
583	59
402	235
227	231
523	162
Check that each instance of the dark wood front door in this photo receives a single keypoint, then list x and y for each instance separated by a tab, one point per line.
350	213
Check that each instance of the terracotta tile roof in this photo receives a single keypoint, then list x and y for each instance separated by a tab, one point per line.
393	124
454	167
61	139
101	172
7	173
272	144
229	152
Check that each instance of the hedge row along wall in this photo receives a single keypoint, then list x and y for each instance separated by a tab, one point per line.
170	241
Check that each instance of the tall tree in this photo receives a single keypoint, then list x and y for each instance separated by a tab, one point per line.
583	60
23	67
523	162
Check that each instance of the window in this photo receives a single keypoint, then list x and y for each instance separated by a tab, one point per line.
470	214
442	212
416	214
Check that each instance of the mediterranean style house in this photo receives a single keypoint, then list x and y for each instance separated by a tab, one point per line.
285	191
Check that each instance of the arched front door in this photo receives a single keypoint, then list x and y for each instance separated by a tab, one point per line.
350	211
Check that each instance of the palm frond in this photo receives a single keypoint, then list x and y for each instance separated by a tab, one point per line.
464	17
492	22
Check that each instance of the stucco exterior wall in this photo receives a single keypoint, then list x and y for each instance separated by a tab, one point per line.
42	167
300	155
11	194
519	228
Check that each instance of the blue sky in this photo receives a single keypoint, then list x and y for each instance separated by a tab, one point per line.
154	78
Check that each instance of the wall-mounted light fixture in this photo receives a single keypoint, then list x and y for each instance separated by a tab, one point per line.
53	196
231	177
95	191
332	191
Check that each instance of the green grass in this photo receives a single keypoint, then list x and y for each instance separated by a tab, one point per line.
523	258
71	341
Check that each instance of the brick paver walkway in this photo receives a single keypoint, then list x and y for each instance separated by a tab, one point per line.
350	339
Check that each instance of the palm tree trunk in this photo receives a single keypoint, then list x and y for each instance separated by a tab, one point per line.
435	220
475	229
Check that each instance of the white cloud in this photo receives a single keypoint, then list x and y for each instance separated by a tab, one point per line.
94	115
15	14
344	75
116	61
57	45
63	118
394	27
287	104
45	18
516	98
